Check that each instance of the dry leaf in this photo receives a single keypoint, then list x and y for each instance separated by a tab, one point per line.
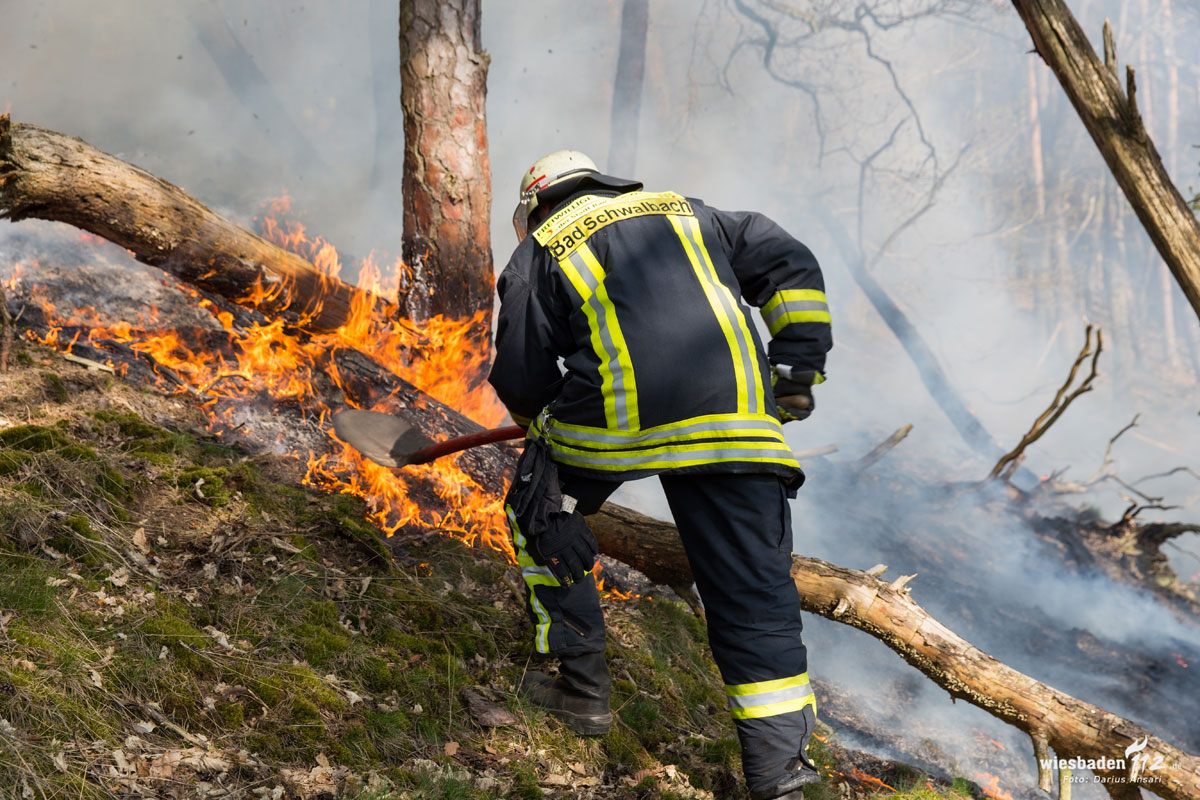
119	578
144	727
451	748
60	761
139	540
97	681
23	664
322	760
554	779
578	768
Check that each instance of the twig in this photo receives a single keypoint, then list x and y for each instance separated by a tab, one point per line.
1062	400
881	449
6	335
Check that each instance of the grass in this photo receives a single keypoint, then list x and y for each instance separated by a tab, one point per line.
165	595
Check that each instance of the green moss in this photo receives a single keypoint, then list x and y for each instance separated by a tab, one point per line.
12	461
54	388
624	749
205	484
525	783
320	643
33	438
166	627
24	359
23	590
232	715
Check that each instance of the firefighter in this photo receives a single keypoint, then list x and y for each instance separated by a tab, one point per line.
622	344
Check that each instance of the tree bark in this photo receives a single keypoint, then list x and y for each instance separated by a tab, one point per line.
627	88
52	176
447	175
1112	118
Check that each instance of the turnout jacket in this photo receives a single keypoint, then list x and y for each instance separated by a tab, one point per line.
622	339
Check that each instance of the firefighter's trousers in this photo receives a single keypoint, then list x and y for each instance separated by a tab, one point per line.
737	532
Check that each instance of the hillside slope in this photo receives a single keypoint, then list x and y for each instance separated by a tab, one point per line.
183	619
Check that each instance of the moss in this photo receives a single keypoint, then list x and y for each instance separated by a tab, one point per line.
166	627
525	783
12	461
23	590
80	525
205	484
33	438
232	715
624	749
24	359
320	643
54	388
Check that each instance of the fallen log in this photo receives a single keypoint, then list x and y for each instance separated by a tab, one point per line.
53	176
1071	727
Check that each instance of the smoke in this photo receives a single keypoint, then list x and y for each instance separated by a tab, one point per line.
998	288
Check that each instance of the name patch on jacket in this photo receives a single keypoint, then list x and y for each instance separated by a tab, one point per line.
568	228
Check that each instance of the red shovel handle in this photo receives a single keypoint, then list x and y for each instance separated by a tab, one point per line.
434	451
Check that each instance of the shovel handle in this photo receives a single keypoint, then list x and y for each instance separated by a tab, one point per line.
434	451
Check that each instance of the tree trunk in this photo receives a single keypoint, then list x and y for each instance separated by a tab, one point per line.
447	175
51	176
627	88
1112	118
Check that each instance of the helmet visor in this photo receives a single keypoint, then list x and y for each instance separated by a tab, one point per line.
520	217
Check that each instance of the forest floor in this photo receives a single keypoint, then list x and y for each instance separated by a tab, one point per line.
183	619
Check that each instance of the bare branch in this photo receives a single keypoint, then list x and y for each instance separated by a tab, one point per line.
1062	400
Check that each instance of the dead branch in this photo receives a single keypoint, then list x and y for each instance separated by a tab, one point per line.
1059	404
882	449
1112	118
6	331
52	176
1071	727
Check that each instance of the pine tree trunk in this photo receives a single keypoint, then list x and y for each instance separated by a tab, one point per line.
447	175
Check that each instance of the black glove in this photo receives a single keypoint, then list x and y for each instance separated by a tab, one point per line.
793	396
567	547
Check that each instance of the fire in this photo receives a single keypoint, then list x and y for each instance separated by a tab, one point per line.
270	361
991	786
1179	660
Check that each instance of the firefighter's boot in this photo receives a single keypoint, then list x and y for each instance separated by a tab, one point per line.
774	769
578	696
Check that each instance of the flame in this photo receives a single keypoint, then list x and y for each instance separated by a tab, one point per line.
990	784
269	361
1179	660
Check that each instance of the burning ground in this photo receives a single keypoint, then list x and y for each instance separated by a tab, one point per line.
183	617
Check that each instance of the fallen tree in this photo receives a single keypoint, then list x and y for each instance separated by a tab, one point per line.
49	175
1053	720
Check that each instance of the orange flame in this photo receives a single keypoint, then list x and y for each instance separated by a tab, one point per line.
440	357
990	784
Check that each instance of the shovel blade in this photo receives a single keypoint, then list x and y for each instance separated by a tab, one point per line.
383	438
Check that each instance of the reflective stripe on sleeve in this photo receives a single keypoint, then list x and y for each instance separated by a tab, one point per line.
795	305
769	698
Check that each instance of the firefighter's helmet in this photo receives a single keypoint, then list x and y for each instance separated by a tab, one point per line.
564	170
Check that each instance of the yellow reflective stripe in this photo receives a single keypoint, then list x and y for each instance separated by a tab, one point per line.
818	378
681	447
732	458
774	709
734	433
770	698
628	384
793	295
533	576
762	687
783	320
606	376
670	426
788	306
739	366
738	316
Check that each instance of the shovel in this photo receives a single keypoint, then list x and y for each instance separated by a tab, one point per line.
391	442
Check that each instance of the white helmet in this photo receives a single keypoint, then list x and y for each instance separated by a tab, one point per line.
564	168
546	172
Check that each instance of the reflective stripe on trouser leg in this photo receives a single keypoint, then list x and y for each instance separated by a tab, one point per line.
567	620
736	529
